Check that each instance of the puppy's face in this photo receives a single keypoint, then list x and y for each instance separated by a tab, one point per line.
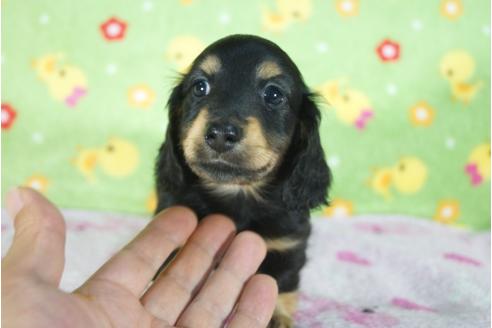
238	112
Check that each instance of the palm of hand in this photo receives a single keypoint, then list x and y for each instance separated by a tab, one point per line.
117	295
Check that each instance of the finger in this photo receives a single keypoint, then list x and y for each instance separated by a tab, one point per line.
38	246
256	303
216	299
134	266
173	289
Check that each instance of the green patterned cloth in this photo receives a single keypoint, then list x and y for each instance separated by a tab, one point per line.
407	128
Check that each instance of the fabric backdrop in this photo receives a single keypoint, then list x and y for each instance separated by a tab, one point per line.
84	86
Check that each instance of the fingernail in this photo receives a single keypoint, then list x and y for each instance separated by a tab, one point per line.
14	202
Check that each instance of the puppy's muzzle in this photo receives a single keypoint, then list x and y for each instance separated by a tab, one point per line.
223	137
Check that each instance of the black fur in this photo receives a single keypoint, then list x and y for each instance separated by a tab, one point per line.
298	184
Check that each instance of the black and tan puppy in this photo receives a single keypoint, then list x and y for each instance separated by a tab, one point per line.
243	141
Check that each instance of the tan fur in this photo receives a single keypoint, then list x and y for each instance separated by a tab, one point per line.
268	69
286	306
258	148
251	189
281	244
260	156
195	133
210	65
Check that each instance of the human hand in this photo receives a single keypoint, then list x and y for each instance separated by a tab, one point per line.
184	295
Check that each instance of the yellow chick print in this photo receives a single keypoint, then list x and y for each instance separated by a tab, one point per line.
408	176
117	158
380	181
285	13
182	50
458	67
273	21
478	166
296	10
86	161
351	106
65	82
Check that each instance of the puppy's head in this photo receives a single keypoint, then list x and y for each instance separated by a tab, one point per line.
239	110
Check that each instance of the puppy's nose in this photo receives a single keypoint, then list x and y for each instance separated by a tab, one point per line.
222	137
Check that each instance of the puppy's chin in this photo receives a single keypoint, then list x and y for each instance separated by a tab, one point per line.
220	172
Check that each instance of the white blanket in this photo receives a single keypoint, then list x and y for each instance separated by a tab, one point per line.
366	271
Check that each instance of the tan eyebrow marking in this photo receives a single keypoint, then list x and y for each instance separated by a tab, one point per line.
268	69
210	65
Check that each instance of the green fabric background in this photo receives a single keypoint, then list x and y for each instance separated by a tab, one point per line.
46	134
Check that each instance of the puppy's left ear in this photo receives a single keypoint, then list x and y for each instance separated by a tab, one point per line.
169	170
310	177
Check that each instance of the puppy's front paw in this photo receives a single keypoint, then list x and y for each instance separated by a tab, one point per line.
281	320
284	311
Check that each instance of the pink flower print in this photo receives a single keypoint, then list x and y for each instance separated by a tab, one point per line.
350	257
409	305
462	259
312	309
370	320
371	227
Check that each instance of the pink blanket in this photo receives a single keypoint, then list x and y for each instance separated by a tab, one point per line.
367	271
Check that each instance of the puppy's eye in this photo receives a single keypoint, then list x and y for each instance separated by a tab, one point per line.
201	88
273	95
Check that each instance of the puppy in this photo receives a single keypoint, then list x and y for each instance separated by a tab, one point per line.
243	141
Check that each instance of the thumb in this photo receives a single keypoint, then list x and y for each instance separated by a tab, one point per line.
38	247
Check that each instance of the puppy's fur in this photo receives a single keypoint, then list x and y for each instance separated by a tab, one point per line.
268	172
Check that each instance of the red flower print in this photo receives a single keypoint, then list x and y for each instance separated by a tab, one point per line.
388	51
113	29
8	116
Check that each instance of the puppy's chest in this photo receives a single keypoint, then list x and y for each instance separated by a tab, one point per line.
265	218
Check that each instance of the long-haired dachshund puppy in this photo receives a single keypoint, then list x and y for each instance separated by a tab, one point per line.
243	141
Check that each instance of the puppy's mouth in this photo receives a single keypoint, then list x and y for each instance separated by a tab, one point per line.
222	171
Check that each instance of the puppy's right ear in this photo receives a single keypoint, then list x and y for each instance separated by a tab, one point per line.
169	166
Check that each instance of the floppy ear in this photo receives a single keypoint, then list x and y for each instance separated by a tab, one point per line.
309	179
169	173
